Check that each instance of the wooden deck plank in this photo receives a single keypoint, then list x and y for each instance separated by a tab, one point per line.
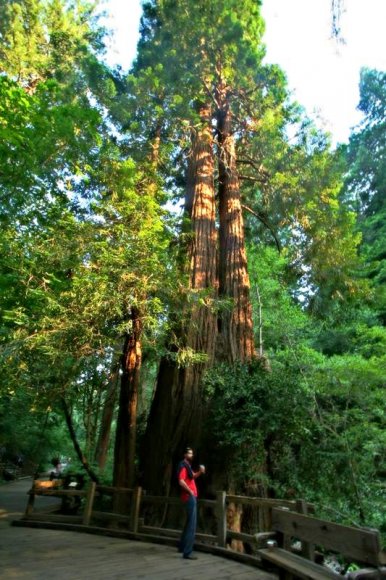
99	558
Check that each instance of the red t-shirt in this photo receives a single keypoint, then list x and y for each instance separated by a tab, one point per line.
183	474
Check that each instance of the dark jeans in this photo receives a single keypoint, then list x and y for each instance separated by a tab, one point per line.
189	531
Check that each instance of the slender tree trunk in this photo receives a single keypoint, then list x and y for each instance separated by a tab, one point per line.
75	442
176	412
90	417
107	417
235	341
125	439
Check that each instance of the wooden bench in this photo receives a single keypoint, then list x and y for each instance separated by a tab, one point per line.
359	545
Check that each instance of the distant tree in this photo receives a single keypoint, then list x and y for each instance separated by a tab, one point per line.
366	182
81	249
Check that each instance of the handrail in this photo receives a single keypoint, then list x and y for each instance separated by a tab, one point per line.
260	501
107	489
139	498
56	492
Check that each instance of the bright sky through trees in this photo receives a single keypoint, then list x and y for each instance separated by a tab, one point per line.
322	73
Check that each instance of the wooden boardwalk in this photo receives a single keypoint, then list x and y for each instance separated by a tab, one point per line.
44	554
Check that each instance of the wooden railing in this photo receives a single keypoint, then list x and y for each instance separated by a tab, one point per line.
139	504
138	500
54	489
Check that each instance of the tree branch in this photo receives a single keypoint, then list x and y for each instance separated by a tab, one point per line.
259	168
266	224
251	178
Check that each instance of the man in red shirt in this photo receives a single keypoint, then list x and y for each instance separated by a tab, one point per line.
186	480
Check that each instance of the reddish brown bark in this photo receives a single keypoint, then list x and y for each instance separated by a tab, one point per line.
125	439
176	413
202	264
235	338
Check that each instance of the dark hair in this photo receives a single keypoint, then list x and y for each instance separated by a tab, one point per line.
187	449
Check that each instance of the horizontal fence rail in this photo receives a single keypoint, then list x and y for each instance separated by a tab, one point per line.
139	501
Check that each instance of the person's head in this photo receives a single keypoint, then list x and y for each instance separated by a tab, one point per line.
188	454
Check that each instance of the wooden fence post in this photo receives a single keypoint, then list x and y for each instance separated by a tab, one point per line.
265	518
221	519
89	504
31	501
135	507
308	549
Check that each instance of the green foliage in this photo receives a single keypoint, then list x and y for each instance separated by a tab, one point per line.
41	40
297	198
290	177
45	149
74	292
283	321
313	427
348	464
84	238
249	410
366	180
30	431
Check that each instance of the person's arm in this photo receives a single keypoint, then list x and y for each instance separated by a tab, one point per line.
199	472
185	486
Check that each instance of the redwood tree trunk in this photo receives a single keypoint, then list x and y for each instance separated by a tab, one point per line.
235	339
125	438
176	413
